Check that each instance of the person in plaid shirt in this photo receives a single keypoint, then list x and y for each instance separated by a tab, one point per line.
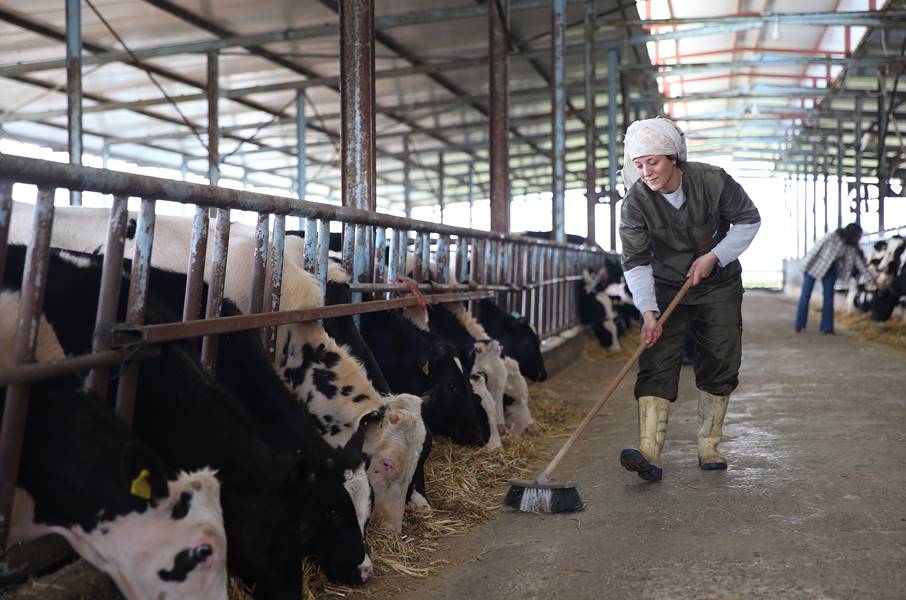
834	257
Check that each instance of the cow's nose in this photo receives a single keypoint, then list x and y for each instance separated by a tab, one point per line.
365	572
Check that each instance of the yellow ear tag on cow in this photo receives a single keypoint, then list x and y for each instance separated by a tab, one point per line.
140	486
426	369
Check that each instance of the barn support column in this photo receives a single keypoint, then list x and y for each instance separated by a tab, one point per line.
805	245
471	193
558	116
591	132
613	65
840	155
882	146
814	198
301	170
499	117
407	182
857	146
74	88
795	181
825	176
440	184
357	135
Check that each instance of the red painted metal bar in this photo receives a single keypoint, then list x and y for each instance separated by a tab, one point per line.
109	295
135	311
12	431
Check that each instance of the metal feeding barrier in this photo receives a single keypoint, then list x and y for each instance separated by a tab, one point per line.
533	277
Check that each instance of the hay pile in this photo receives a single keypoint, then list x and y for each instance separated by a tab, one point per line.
891	334
594	352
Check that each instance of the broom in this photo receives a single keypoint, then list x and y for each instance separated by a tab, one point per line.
540	495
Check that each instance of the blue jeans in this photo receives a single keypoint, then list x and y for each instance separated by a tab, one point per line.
827	308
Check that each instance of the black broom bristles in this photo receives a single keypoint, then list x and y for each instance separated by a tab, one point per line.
532	496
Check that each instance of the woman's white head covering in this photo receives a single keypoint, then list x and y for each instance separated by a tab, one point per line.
649	137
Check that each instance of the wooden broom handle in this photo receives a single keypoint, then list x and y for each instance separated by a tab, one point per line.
613	386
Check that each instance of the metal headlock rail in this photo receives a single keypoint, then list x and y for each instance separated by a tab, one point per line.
534	277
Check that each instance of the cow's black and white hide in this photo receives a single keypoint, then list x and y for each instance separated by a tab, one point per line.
596	310
891	280
277	507
860	295
422	363
84	475
516	335
84	229
345	332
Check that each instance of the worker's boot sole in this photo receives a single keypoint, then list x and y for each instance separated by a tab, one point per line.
634	460
713	466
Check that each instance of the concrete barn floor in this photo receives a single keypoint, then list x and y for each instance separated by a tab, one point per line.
812	506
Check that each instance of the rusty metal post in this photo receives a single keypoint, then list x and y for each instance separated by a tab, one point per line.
393	263
442	259
613	66
591	132
488	270
357	102
883	125
301	173
212	90
360	259
558	116
323	251
380	261
259	263
498	118
348	247
139	279
109	295
404	248
840	155
462	259
426	254
407	182
275	281
857	146
824	176
418	265
440	184
195	271
31	299
74	88
216	283
310	257
6	214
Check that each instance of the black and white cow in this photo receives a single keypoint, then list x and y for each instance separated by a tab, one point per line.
84	475
860	295
516	335
422	363
84	229
277	507
345	332
891	280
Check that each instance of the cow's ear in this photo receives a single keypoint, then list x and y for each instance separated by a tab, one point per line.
142	473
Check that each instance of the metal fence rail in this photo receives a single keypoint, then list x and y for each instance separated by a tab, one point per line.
534	277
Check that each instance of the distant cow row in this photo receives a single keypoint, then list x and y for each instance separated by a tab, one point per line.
888	264
283	460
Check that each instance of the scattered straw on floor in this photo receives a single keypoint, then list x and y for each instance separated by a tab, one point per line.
891	334
596	353
466	487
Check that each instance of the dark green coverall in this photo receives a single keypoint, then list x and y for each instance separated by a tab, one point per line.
655	233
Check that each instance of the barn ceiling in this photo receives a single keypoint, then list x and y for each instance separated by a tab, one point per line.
765	81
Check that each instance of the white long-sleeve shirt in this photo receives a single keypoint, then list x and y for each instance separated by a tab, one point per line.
641	279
